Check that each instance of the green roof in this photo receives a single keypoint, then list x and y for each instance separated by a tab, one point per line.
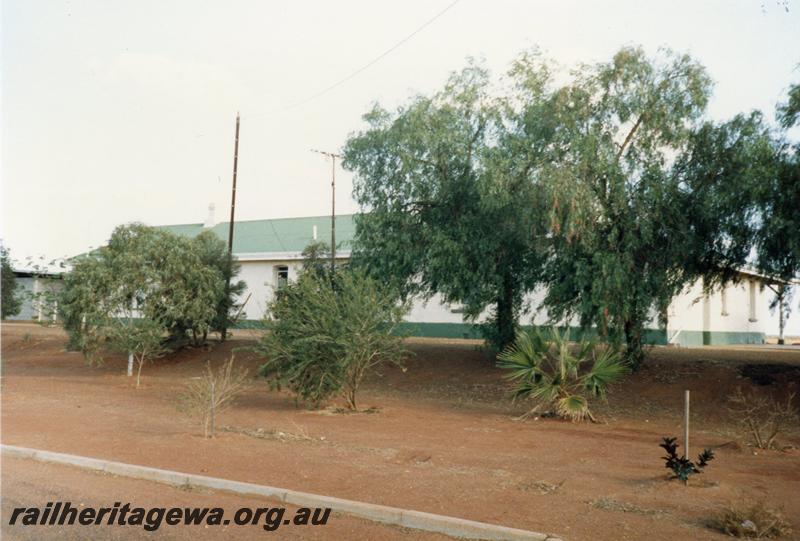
278	235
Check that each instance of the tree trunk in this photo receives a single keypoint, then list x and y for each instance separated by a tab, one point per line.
506	315
633	340
139	373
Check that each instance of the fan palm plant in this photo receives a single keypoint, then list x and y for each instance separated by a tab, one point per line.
556	375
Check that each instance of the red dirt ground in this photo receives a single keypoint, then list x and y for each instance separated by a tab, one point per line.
443	440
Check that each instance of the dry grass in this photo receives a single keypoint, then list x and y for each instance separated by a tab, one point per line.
763	417
301	434
610	504
542	487
752	521
213	392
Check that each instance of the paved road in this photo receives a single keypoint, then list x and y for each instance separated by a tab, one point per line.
27	483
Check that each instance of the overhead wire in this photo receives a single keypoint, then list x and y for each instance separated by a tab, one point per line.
362	68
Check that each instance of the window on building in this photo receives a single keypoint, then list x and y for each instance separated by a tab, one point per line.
723	295
753	299
281	276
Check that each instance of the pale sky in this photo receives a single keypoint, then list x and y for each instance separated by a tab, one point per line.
120	111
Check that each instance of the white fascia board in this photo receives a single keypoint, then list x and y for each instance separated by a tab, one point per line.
282	256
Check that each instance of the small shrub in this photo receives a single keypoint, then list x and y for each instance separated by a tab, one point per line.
548	371
205	397
762	417
753	521
141	338
681	466
326	333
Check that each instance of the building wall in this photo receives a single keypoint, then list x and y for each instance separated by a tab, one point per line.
693	318
261	280
33	307
735	313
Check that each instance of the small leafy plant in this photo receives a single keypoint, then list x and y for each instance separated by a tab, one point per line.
681	466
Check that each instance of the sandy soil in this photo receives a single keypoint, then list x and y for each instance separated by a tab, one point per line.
443	439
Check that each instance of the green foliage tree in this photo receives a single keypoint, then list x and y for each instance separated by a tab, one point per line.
615	216
451	206
214	253
777	241
547	369
145	286
649	198
11	301
608	189
317	258
324	335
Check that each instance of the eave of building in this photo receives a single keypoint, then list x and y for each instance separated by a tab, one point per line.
749	271
283	256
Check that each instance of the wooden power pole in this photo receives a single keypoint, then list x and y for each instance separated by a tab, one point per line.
333	157
233	190
224	330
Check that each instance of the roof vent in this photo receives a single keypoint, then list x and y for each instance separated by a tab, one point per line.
210	218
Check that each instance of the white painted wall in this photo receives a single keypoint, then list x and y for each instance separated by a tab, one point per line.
260	277
694	311
691	310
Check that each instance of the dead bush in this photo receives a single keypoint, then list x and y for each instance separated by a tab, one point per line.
213	392
763	417
753	521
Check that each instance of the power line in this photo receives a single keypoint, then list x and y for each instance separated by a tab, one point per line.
365	66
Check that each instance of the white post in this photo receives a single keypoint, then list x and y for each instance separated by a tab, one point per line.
686	427
55	311
38	298
781	323
130	364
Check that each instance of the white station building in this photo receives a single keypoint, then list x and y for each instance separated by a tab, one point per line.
270	254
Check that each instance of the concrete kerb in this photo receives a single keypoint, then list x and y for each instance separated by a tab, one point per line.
452	526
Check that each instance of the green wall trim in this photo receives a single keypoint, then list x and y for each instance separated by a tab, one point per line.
651	336
439	330
468	330
718	338
250	324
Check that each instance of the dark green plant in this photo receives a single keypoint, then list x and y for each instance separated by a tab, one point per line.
681	467
11	303
548	369
317	258
213	252
324	335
